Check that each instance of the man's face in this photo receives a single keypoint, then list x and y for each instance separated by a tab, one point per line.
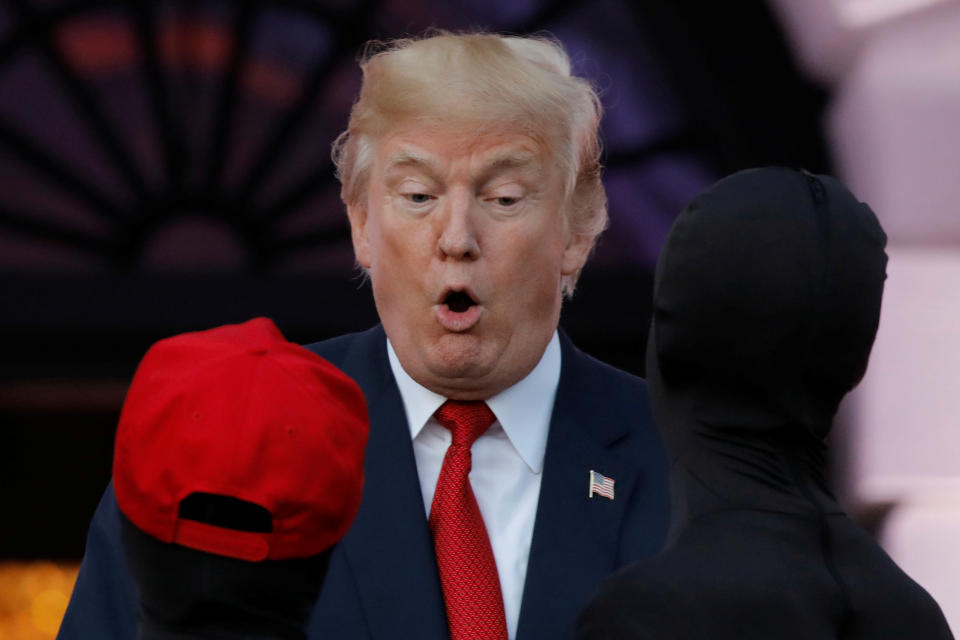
466	245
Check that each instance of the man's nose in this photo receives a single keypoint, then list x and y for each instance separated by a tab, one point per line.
458	233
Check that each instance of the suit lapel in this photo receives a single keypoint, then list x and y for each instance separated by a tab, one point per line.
576	538
389	548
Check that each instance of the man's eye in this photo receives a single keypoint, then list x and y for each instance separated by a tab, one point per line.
418	198
506	201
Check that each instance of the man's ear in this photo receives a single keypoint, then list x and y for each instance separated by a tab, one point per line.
575	253
358	233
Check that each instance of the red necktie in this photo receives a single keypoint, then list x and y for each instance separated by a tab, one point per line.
468	571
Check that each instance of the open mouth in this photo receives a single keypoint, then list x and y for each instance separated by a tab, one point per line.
458	311
459	301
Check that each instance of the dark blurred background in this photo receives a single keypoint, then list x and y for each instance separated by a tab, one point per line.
164	167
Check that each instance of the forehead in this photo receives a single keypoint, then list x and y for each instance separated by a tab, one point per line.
435	147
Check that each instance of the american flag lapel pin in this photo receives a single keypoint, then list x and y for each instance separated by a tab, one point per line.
600	485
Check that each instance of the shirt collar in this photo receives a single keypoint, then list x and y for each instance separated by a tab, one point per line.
522	410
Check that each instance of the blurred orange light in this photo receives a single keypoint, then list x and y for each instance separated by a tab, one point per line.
33	598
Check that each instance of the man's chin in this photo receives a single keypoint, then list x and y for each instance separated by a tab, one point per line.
458	355
458	364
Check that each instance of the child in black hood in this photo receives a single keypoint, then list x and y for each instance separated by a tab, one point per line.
766	303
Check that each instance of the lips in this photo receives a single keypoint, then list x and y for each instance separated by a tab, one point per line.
458	310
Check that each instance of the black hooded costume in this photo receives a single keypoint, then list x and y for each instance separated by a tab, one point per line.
766	303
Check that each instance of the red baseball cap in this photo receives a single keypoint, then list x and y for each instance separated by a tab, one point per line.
239	412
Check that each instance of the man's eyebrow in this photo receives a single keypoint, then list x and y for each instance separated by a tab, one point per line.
409	158
508	161
519	159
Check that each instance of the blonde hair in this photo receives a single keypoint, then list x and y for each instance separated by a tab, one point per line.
481	79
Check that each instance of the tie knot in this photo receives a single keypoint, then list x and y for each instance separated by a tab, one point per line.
466	420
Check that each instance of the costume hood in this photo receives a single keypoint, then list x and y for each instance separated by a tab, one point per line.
766	302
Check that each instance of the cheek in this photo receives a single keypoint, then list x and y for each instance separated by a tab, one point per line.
408	245
400	258
529	269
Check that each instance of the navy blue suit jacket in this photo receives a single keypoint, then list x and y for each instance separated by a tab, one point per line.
382	582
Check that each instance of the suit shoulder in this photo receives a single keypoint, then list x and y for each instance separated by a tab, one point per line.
613	387
335	350
609	374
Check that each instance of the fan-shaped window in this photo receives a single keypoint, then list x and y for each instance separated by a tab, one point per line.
194	136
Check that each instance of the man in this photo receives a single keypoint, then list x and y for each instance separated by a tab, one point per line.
471	175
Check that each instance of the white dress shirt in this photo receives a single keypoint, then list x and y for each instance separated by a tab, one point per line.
507	462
